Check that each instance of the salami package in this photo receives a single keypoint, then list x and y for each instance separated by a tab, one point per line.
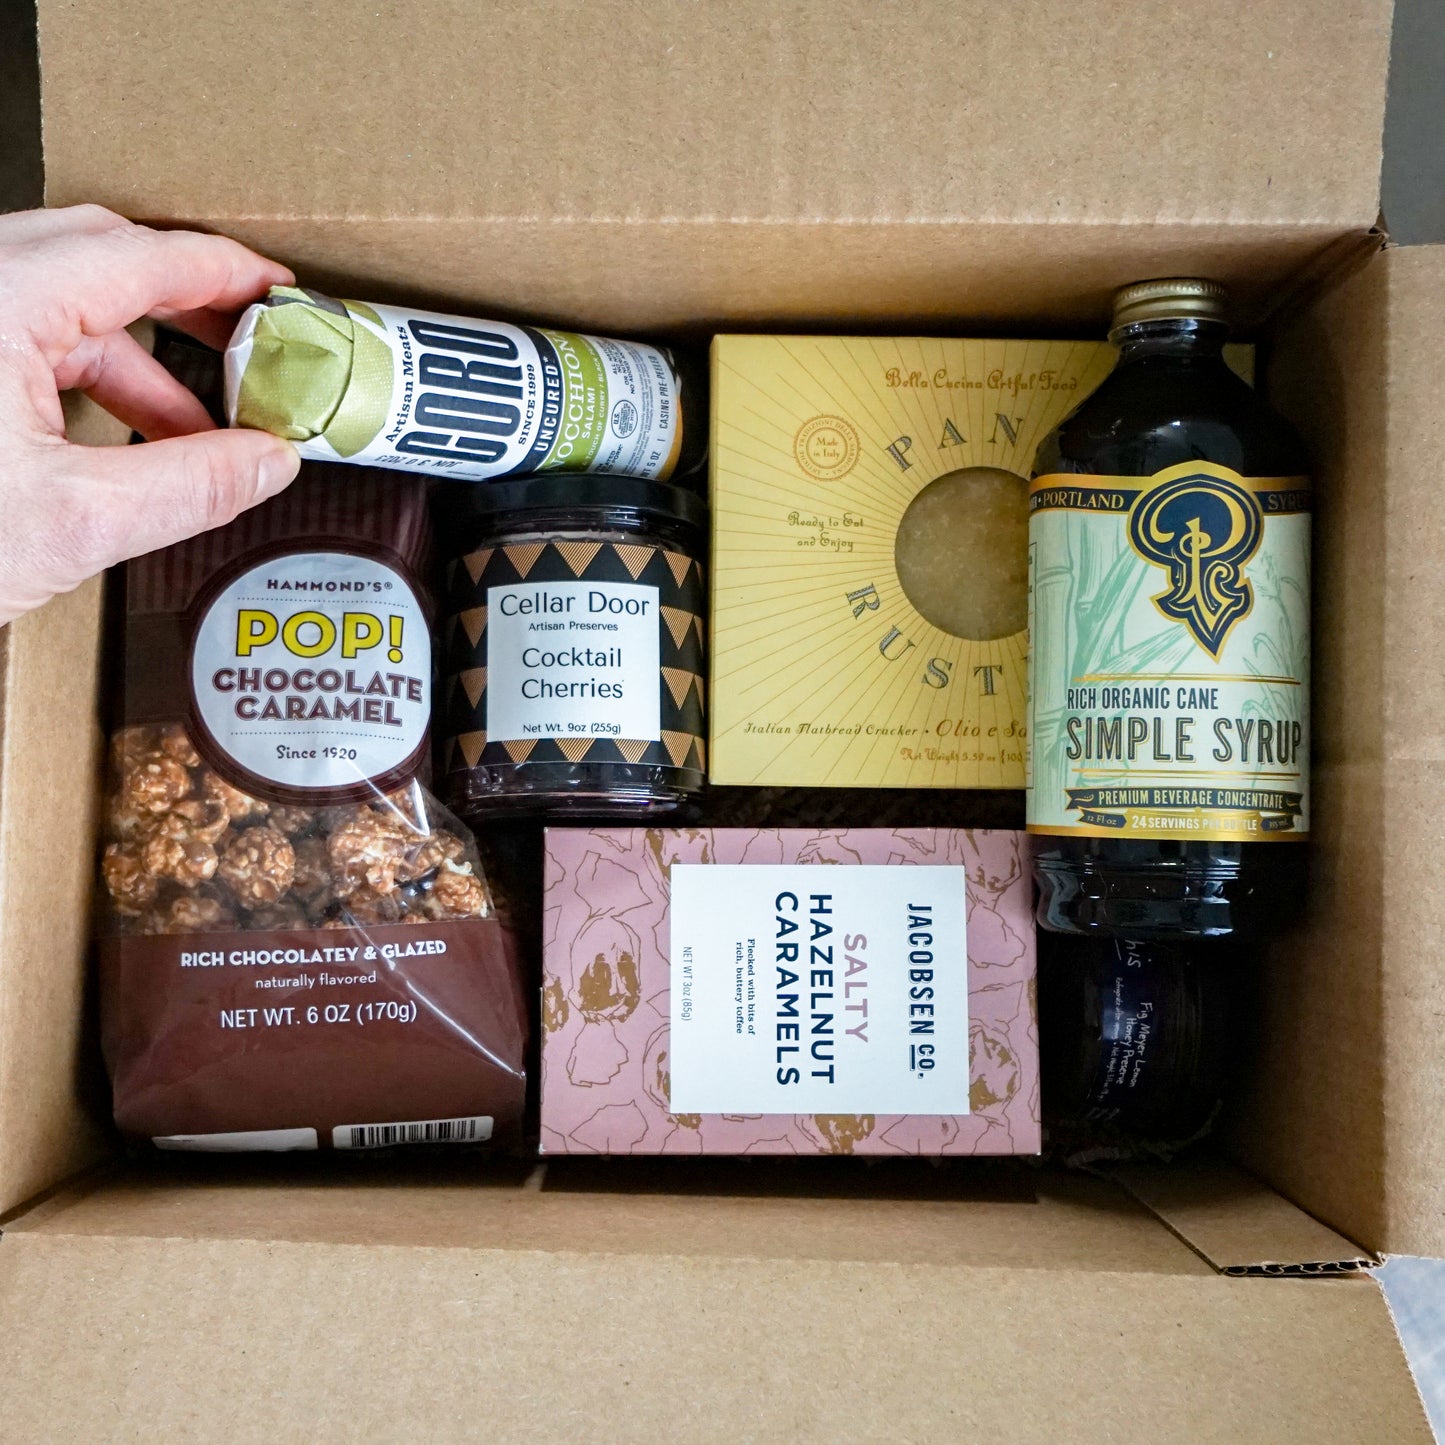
469	400
299	949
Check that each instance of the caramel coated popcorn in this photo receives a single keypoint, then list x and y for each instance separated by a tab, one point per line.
152	782
368	906
259	865
238	805
192	914
456	893
204	819
311	877
286	913
290	820
132	888
187	861
428	854
367	850
188	852
175	743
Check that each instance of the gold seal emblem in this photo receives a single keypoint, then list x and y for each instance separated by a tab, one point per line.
826	447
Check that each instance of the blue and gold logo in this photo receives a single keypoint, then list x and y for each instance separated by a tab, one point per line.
1202	529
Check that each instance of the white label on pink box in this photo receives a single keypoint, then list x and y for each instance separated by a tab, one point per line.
819	989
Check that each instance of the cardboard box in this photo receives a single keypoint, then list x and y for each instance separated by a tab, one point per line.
747	991
944	168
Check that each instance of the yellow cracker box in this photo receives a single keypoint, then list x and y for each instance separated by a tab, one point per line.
870	554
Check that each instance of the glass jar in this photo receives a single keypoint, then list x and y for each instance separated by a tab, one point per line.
572	647
1138	1039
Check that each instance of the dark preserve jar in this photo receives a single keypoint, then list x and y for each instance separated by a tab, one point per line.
572	646
1135	1041
1169	650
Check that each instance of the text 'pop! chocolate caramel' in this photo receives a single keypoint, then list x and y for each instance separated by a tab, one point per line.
298	947
391	386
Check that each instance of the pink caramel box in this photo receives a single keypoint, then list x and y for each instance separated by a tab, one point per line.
796	991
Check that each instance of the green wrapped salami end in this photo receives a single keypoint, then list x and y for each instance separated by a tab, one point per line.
305	367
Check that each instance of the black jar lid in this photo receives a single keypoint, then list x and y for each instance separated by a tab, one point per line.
585	496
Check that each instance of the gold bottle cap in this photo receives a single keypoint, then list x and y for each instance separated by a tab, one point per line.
1173	298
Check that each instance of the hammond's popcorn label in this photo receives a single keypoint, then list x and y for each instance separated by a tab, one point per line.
788	991
390	386
312	672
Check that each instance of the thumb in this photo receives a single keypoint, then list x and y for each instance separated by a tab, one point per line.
119	502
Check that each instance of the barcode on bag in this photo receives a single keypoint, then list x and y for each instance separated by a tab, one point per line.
474	1130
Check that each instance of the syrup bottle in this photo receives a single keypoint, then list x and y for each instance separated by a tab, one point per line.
1169	590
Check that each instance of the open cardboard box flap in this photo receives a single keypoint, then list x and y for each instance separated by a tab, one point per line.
632	167
1238	1224
1348	1113
1002	1301
260	1340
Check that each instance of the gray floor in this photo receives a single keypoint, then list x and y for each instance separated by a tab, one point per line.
1415	1289
1412	185
1413	191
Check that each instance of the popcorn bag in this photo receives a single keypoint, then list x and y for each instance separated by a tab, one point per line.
298	946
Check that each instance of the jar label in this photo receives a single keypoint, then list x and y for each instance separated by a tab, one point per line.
1128	1027
572	650
573	660
311	676
1169	656
801	988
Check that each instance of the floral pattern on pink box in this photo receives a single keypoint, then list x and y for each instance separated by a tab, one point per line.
606	995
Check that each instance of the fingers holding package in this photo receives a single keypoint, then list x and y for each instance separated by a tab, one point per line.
71	281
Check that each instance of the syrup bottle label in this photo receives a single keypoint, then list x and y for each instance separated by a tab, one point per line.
1169	656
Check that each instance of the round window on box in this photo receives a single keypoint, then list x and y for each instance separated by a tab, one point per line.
573	646
961	552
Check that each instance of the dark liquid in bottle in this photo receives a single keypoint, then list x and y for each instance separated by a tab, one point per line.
1172	399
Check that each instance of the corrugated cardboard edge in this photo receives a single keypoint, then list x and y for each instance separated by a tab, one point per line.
1343	1110
1238	1224
1329	268
51	1098
248	1340
978	275
912	1211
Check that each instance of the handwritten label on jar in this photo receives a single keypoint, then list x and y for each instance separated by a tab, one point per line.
573	660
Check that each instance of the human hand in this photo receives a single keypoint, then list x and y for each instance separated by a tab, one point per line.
70	282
